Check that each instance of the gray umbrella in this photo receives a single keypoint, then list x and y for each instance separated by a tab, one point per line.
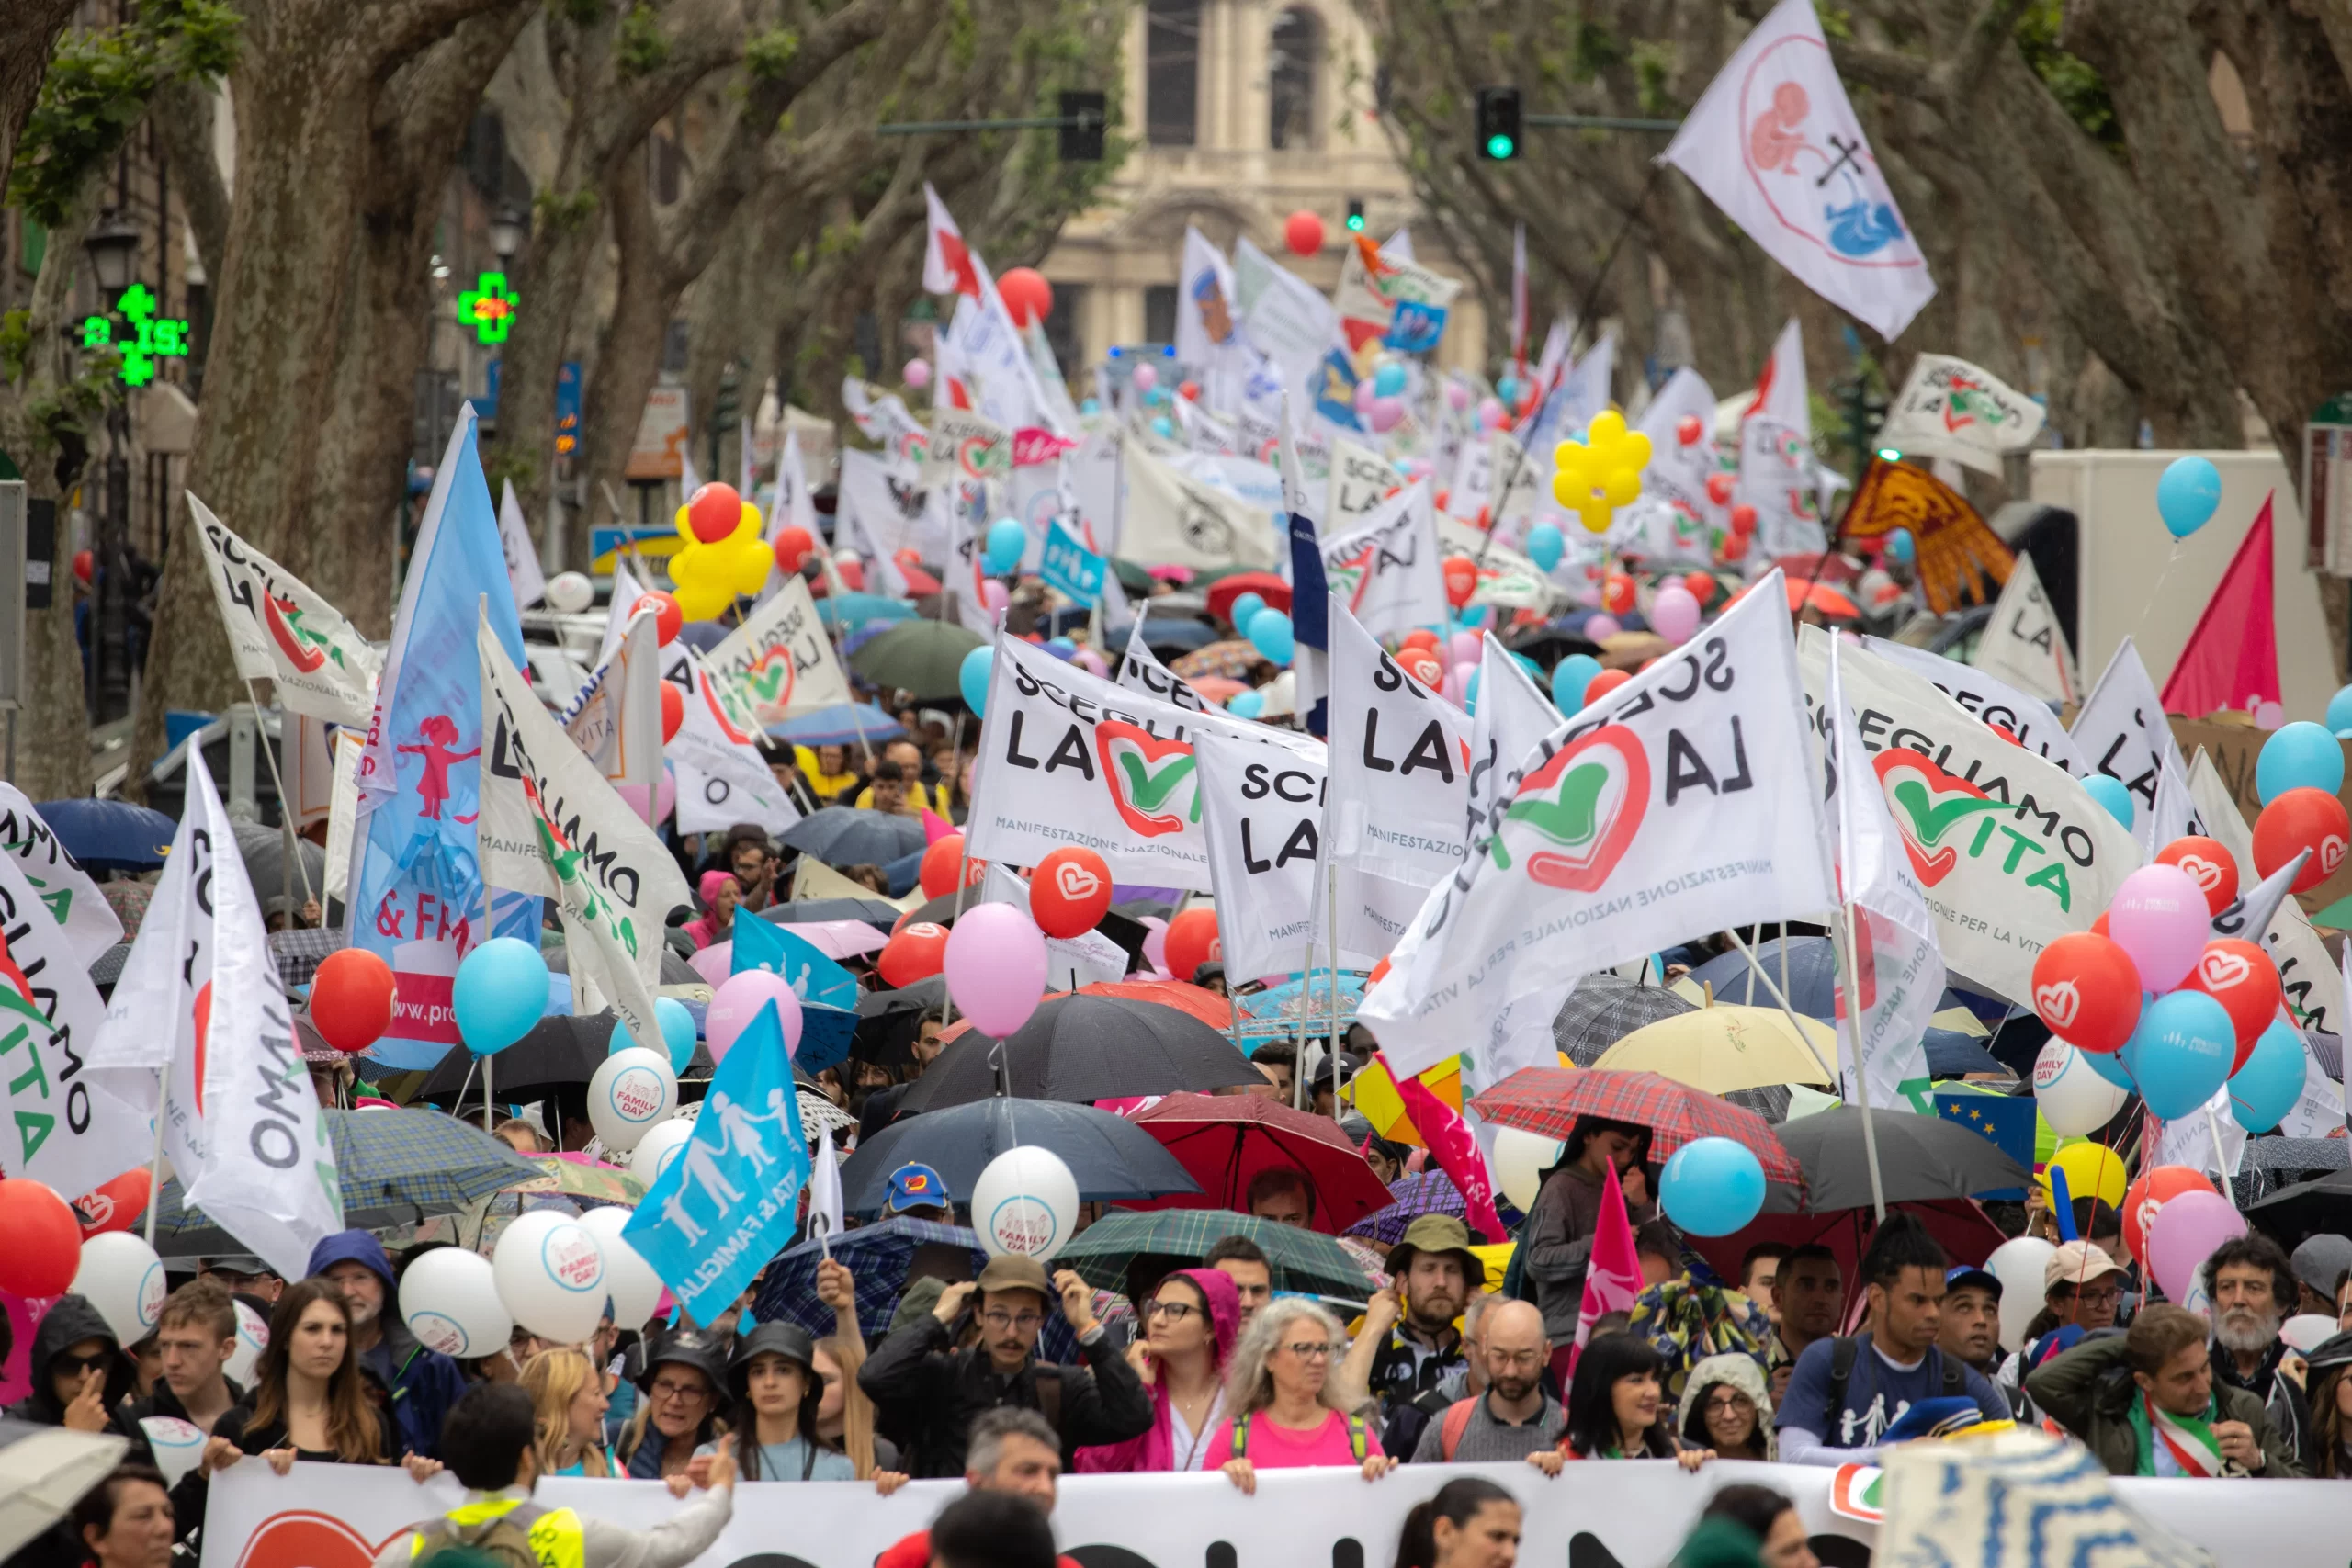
1919	1158
1111	1158
43	1472
264	853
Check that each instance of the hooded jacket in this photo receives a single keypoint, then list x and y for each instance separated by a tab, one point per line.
69	1321
1738	1371
420	1386
1156	1449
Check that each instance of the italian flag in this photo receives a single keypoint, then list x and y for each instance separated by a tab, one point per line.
2188	1440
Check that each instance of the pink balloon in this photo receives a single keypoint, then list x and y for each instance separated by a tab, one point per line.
1463	646
916	374
1155	941
996	967
1457	682
1387	413
1365	393
1492	415
1146	378
738	1001
2161	919
1602	626
1091	662
665	798
1674	614
994	594
1457	396
2187	1230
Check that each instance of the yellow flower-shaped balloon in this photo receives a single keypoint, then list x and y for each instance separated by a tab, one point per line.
1594	477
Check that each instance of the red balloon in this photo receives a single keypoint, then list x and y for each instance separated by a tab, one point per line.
83	565
713	512
1302	232
1420	637
1689	429
1619	594
1423	665
1460	580
941	864
915	954
1070	892
1701	585
1743	520
117	1206
673	710
1189	390
667	616
40	1241
1442	497
1192	940
2150	1193
1734	547
1600	685
853	574
2241	976
792	547
2209	862
1719	489
2086	988
351	998
2098	928
1026	295
2304	818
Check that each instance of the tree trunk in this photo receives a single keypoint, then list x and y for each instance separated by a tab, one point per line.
182	114
628	348
28	29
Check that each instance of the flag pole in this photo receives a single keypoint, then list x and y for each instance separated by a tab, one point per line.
1842	924
1779	997
278	776
155	1163
1331	903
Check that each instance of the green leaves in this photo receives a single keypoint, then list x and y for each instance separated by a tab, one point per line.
769	54
640	46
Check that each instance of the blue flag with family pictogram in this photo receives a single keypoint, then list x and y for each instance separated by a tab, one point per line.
417	898
727	1200
828	992
1070	567
2005	1121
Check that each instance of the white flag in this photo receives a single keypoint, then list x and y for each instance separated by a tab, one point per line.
1205	330
523	569
627	592
1949	408
791	503
64	1125
1386	570
780	658
343	811
62	885
1400	766
1774	142
2012	851
1141	671
947	265
1361	481
825	1218
1682	803
616	721
722	778
1676	477
1261	816
2122	731
1513	717
550	825
2023	643
2315	995
279	630
1983	694
1897	979
1172	519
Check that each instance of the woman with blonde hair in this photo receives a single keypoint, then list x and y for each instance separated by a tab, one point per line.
845	1415
567	1406
1290	1406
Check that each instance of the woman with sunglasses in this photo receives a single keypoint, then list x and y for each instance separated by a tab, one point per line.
1287	1408
1190	1325
685	1371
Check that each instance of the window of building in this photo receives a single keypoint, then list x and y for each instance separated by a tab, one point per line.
1061	330
1296	50
1159	313
1172	72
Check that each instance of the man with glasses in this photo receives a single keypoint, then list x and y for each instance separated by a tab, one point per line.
2082	1291
1515	1418
928	1392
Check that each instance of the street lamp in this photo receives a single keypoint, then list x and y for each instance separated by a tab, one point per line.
113	250
508	230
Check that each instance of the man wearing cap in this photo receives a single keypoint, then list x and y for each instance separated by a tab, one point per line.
929	1392
420	1386
1970	1330
247	1277
2319	1264
2082	1291
1409	1342
917	1192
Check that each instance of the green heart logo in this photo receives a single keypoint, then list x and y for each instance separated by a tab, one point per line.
1145	775
1580	811
1574	818
1927	802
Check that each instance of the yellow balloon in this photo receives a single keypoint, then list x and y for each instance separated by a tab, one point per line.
703	603
1622	485
748	562
1567	494
698	566
1596	513
1635	450
750	526
686	529
2093	1170
1608	426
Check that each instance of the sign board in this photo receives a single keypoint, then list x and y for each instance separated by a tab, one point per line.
2327	487
604	545
662	433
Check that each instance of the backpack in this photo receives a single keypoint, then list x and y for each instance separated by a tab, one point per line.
504	1542
1457	1421
1846	1349
1355	1438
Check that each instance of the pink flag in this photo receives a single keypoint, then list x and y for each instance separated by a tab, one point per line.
934	826
1457	1154
2231	658
1613	1278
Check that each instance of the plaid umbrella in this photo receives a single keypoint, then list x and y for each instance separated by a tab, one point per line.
1301	1261
1606	1007
1547	1102
877	1255
300	953
820	1116
1427	1192
1232	658
396	1167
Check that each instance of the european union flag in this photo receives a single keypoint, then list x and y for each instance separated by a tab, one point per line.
2005	1121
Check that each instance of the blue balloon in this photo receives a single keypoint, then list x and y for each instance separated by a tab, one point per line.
1711	1187
500	991
1900	545
1061	647
678	1030
2339	710
1090	407
2108	1065
1270	634
2180	1052
1571	676
2297	756
2187	495
1162	428
1508	390
2111	793
2266	1087
1006	541
1545	543
1246	704
1245	608
1389	380
1533	669
972	677
1155	398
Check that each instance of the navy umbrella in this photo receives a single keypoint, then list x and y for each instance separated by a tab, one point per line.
1084	1048
1813	976
844	835
844	723
109	835
878	1256
1112	1158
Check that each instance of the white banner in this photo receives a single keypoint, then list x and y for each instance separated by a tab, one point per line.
964	445
1386	571
1141	671
1513	717
2012	852
1682	803
523	569
722	778
1680	469
780	659
1400	766
1170	518
60	1126
1949	408
2122	731
1980	692
279	630
1361	481
1262	815
72	898
616	721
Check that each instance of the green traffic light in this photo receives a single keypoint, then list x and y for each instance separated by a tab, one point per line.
1892	455
1355	222
1499	146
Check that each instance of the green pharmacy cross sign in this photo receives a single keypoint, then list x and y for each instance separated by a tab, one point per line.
488	308
144	340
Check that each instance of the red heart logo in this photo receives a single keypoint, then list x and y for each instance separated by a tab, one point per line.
1925	803
1148	777
298	1538
2206	874
1574	818
2222	970
1075	881
2057	1003
2331	853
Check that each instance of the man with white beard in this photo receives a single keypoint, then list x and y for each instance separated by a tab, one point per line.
2250	1283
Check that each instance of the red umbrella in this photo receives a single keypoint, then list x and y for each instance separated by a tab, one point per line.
1264	584
1224	1141
1547	1102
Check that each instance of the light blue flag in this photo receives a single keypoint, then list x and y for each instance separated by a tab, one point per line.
727	1200
417	897
828	992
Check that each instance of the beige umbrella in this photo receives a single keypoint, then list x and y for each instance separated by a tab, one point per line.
1721	1049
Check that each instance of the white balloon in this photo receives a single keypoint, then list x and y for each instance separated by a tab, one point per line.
1026	1202
253	1338
2306	1330
570	593
121	1277
2075	1100
1519	1162
631	1092
450	1301
2018	1264
175	1444
657	1148
630	1279
550	1273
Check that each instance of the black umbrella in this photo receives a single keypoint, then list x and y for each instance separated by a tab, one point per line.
1112	1158
844	835
875	912
1920	1158
559	1052
1128	933
1085	1048
890	1022
2305	1208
